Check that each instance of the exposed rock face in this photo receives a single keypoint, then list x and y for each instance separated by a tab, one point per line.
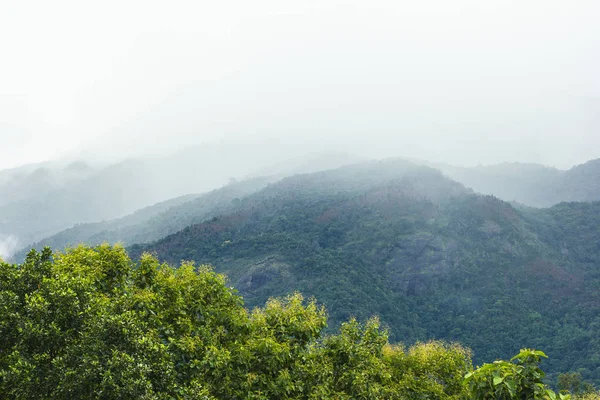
268	274
419	261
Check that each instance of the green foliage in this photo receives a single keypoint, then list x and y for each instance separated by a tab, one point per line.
91	324
587	396
430	258
521	378
570	381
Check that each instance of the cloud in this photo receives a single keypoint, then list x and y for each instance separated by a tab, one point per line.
463	80
8	245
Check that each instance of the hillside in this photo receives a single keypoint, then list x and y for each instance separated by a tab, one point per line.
48	218
582	182
108	192
431	258
153	222
39	201
157	221
531	184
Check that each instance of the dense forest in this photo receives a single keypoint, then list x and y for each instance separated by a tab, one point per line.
92	324
429	257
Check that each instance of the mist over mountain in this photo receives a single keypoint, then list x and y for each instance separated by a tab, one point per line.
153	222
42	201
531	184
92	201
528	184
18	184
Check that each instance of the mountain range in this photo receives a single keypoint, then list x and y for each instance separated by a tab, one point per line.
431	255
38	201
531	184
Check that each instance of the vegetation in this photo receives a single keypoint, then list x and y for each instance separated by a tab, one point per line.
530	184
431	258
572	382
91	324
521	378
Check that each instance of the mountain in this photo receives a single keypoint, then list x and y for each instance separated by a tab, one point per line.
531	184
153	222
39	201
23	193
18	184
430	257
106	193
582	182
139	183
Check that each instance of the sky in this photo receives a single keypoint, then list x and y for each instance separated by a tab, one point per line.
461	82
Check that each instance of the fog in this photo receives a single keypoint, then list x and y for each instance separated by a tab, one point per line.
461	82
8	245
183	95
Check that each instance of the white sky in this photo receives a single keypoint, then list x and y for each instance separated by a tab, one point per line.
458	81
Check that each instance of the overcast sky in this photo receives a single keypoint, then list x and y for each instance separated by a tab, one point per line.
459	81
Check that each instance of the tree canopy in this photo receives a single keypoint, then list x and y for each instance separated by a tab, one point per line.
92	324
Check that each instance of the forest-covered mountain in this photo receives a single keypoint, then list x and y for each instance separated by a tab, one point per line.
430	257
39	218
531	184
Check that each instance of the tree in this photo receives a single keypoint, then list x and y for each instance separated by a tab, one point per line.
570	381
92	324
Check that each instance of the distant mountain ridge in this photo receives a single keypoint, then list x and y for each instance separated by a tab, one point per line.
166	217
39	201
153	222
18	184
531	184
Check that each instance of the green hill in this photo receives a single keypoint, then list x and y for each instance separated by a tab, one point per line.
431	258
